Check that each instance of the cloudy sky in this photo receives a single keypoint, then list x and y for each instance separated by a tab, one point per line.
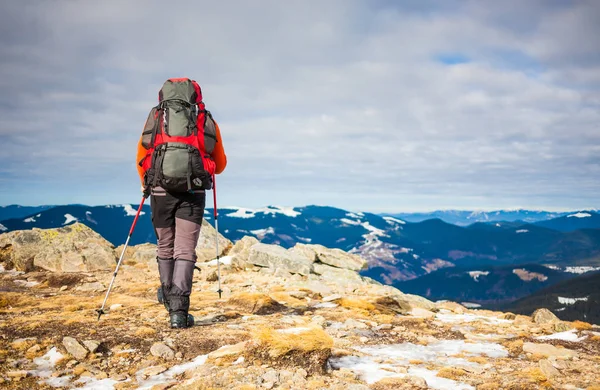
365	105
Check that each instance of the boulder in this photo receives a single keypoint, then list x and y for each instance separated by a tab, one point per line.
241	251
74	348
339	276
334	257
141	254
162	351
206	249
276	257
544	316
548	350
73	248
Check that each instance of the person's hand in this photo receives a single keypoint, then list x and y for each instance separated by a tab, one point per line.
145	191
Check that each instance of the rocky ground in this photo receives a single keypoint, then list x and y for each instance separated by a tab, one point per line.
288	319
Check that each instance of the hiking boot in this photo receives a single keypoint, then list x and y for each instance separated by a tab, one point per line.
181	320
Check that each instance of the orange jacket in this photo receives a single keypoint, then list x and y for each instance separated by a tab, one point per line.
218	155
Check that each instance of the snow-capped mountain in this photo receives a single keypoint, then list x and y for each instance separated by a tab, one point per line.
395	249
588	219
465	218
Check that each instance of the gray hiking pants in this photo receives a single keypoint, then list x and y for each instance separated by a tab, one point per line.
177	218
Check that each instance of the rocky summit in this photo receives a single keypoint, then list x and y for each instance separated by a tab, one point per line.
297	318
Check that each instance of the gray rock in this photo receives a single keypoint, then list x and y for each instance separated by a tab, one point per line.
338	276
331	298
212	277
270	378
162	351
548	350
544	316
73	248
334	257
153	370
228	350
206	249
92	345
74	348
548	369
416	301
241	251
315	286
351	323
276	257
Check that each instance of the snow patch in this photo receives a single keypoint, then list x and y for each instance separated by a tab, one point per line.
170	374
371	370
305	239
261	233
242	212
375	231
354	215
554	267
569	335
581	270
326	305
69	219
350	222
95	384
392	220
294	330
522	231
226	260
579	215
470	305
45	367
476	274
570	301
88	216
25	283
3	228
29	220
457	318
130	211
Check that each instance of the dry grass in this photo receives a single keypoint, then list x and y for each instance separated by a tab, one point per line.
534	374
145	331
279	342
515	347
287	300
451	373
384	318
477	359
255	303
356	304
22	345
580	325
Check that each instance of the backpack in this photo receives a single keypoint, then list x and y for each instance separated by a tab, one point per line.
179	136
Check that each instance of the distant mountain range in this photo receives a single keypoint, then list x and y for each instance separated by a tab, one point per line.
16	211
485	285
397	250
573	299
465	218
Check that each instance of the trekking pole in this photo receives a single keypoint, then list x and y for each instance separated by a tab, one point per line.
101	310
216	214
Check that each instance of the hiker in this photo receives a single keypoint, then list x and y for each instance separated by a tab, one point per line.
179	152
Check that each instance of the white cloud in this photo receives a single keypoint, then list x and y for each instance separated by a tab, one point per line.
341	104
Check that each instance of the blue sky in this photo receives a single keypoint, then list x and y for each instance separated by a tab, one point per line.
364	105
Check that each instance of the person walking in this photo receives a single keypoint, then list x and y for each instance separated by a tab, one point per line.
178	154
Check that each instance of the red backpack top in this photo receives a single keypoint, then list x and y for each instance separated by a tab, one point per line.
179	136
